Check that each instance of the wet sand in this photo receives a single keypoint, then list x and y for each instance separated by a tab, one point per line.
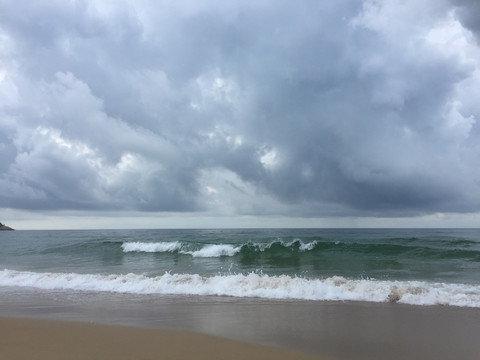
26	339
335	330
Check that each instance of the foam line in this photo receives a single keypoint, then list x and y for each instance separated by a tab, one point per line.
255	285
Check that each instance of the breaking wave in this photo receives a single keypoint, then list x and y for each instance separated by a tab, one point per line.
217	250
151	247
468	252
255	285
211	250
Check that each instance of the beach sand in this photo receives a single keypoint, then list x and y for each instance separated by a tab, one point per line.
28	339
173	324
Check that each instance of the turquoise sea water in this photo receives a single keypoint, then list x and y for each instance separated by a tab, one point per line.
416	266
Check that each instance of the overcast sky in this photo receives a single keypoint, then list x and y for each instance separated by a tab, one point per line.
239	113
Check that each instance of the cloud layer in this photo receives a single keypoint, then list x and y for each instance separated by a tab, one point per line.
296	108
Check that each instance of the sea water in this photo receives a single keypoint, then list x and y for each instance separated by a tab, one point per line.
412	266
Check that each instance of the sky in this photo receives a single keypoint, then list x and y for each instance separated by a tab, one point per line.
271	113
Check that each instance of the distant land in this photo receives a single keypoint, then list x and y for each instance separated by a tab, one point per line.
4	227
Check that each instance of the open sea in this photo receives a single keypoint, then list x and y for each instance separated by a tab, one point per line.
411	266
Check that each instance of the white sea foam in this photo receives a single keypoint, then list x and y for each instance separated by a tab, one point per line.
208	250
151	247
308	246
215	251
255	285
301	245
159	247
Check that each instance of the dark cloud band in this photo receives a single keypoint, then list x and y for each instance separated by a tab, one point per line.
304	109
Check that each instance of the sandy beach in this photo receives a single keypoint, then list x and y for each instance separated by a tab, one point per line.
334	330
22	339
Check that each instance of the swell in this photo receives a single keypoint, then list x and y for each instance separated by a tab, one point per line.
84	247
467	251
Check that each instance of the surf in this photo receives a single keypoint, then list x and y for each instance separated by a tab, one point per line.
256	285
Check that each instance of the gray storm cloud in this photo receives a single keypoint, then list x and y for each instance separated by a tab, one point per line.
308	108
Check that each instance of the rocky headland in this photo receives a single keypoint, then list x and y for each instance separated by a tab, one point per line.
5	227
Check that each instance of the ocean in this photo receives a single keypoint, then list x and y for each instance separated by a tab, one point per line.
410	266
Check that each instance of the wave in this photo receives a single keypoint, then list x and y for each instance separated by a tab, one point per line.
469	252
151	247
216	250
255	285
211	250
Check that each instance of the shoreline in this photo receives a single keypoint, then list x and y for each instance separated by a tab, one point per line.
335	330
